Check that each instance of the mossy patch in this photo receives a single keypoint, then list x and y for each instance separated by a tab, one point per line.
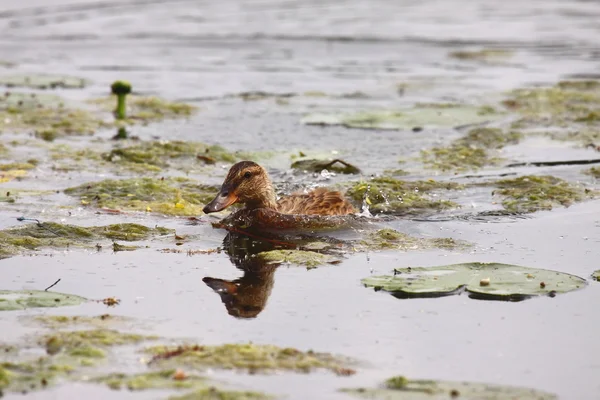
94	338
407	119
394	196
169	196
43	81
390	239
165	379
531	193
248	357
401	388
142	109
23	377
164	153
562	105
487	55
54	235
62	321
594	171
310	259
470	152
46	115
219	394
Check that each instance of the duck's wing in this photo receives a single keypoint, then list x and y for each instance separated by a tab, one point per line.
318	202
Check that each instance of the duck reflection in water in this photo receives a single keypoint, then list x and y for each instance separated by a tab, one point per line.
247	296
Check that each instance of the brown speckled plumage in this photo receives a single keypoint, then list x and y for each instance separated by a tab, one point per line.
248	183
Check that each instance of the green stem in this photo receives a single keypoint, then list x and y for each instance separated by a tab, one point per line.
120	106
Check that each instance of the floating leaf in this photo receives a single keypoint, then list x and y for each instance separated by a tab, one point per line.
488	281
400	388
23	299
430	116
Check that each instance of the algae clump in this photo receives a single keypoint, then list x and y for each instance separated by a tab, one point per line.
218	394
310	259
151	380
163	153
481	55
54	235
148	109
249	357
531	193
594	171
390	239
471	151
394	196
169	196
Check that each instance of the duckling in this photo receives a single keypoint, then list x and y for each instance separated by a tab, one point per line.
249	184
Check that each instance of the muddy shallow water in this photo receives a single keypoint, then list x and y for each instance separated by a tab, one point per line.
202	52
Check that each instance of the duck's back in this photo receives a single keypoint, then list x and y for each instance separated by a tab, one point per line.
318	202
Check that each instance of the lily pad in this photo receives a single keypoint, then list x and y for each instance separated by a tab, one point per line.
43	81
24	299
431	116
401	388
487	281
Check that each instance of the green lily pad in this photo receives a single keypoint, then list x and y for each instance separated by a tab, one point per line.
400	388
487	281
23	299
43	81
430	116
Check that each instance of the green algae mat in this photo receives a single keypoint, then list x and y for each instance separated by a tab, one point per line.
401	388
487	281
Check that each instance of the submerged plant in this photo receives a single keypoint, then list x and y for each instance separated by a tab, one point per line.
120	89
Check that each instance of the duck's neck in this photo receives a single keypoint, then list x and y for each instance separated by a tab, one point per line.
265	198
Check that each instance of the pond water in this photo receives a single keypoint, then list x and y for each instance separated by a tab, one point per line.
206	53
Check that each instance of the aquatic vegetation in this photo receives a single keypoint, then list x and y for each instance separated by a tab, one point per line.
390	239
170	196
65	152
43	81
249	357
337	165
151	380
562	105
54	235
23	377
17	166
393	196
219	394
148	109
62	321
488	281
596	275
25	299
400	388
46	115
594	171
310	259
532	193
163	153
487	55
94	338
407	119
120	89
471	151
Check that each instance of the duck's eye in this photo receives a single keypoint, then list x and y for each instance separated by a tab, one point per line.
247	175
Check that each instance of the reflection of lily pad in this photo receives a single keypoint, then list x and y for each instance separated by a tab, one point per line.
400	388
405	119
43	81
23	299
489	281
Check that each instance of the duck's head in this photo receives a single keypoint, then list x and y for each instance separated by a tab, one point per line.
246	183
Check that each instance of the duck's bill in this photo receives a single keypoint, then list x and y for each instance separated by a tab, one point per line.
219	203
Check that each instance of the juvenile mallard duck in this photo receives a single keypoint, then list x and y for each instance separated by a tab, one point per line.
249	184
